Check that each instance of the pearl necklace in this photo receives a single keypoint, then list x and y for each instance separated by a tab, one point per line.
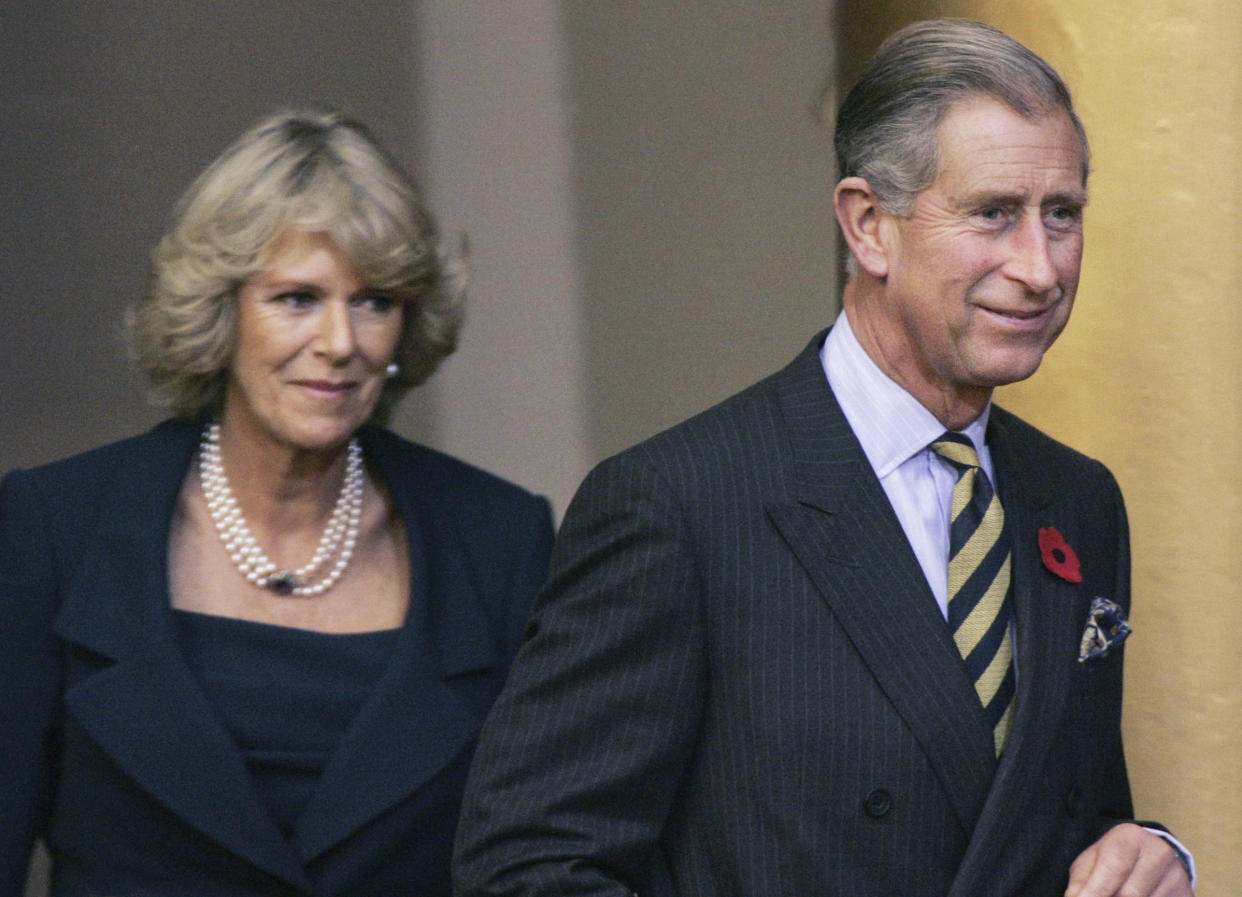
339	536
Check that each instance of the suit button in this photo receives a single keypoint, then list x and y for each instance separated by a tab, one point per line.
878	803
1073	802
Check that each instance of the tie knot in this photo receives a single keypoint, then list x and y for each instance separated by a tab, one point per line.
957	449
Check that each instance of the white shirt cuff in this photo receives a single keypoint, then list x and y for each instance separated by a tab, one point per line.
1184	855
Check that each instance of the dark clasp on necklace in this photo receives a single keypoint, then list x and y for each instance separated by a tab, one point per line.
282	582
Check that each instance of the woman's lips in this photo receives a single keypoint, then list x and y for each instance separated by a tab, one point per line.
327	387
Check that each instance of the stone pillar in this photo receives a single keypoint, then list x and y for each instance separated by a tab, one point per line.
1147	376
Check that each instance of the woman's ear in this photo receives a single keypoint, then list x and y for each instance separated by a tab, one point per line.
860	216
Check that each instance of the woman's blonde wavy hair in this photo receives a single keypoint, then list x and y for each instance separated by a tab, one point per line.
313	171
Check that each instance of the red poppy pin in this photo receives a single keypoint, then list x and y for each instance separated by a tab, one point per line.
1057	554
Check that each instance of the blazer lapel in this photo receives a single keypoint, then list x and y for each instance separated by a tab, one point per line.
414	724
1046	613
1046	607
845	534
142	706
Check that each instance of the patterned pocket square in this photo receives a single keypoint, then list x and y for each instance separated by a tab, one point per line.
1106	628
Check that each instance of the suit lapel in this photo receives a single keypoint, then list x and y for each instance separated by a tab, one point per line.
414	724
845	534
145	709
1046	612
1045	606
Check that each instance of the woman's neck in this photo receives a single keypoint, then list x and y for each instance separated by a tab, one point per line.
280	488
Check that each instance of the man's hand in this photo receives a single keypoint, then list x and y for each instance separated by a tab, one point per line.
1128	861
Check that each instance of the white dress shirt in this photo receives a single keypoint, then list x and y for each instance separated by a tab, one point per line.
895	431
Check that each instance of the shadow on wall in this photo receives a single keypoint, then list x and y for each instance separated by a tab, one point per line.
704	179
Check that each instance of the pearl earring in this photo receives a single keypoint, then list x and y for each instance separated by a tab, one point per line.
392	370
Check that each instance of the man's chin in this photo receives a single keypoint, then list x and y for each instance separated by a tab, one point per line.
1004	367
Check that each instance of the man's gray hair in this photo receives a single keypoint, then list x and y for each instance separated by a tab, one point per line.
887	127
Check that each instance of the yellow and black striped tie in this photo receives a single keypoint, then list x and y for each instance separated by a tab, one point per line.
979	610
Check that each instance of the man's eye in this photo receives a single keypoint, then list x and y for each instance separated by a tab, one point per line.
1064	217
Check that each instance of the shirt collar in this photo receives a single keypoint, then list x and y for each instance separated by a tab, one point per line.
891	425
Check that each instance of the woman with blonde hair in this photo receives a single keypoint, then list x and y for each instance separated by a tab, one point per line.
249	652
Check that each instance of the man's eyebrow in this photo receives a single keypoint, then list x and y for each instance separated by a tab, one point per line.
985	197
988	197
1070	198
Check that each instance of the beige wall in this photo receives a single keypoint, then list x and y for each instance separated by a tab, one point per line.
498	160
703	181
646	186
1146	377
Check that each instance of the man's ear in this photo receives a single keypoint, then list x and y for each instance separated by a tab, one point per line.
859	214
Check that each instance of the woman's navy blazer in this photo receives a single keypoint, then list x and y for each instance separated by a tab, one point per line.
110	750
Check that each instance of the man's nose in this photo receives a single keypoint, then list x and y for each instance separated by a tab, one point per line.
1030	259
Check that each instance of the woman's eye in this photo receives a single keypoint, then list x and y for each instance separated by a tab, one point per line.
378	303
296	298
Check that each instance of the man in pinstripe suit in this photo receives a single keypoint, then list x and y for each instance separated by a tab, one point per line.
739	679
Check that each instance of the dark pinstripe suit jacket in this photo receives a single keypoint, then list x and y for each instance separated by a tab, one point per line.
737	681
